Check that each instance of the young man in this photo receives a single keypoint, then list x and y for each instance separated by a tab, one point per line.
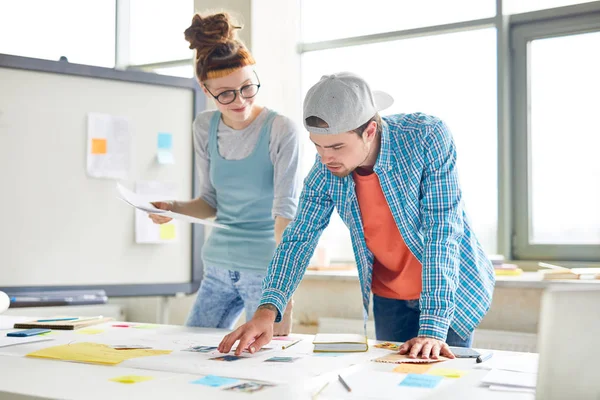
394	183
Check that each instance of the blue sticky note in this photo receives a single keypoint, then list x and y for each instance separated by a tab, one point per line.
165	141
421	381
214	381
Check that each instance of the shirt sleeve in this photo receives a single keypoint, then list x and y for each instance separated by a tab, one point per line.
299	241
284	150
206	190
442	222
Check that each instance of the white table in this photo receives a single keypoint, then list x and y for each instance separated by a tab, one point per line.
31	378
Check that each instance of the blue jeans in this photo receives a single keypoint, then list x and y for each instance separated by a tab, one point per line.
398	321
222	296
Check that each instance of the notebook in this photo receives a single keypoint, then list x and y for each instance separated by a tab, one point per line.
340	343
62	325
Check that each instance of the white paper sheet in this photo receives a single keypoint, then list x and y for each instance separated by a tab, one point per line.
141	203
510	378
367	384
514	389
108	146
518	363
8	321
147	231
6	341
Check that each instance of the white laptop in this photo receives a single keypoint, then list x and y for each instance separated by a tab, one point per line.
569	342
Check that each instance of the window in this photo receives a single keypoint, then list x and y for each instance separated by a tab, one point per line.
335	19
558	202
184	71
451	76
156	30
82	31
522	6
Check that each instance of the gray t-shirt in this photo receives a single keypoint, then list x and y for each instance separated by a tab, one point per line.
234	144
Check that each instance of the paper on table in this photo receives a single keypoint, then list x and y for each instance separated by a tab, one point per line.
510	378
502	388
93	353
12	341
397	358
8	322
139	202
518	363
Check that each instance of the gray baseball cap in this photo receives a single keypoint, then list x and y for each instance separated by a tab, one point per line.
344	101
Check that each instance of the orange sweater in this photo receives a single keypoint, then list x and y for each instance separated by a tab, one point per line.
396	271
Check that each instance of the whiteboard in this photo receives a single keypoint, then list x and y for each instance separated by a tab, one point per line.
62	228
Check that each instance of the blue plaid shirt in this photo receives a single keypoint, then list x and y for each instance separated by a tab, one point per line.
416	168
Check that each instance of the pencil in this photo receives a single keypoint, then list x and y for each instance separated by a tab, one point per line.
314	396
344	383
290	345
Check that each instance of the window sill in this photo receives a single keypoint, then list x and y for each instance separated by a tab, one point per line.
528	280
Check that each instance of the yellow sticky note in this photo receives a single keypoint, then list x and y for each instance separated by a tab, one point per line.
412	368
89	331
98	146
145	326
447	373
167	231
131	379
94	353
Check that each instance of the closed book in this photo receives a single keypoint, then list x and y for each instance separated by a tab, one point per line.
340	343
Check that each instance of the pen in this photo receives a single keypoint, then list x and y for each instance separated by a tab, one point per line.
344	383
486	357
56	319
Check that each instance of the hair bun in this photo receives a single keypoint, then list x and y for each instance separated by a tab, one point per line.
211	31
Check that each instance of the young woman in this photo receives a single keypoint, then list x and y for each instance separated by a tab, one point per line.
248	163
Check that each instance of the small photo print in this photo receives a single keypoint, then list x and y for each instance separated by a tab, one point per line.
387	345
282	359
249	387
201	349
227	358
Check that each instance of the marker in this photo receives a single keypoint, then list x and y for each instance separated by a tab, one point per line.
56	319
486	357
344	383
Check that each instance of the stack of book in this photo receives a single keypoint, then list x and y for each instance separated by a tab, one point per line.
501	268
559	272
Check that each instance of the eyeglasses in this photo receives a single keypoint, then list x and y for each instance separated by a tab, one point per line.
229	96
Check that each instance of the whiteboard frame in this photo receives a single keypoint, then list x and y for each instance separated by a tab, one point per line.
198	232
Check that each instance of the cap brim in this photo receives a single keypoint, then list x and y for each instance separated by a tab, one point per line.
382	100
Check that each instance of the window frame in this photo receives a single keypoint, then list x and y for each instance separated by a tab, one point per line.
512	89
559	22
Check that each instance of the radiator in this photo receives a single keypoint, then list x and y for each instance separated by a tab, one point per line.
483	339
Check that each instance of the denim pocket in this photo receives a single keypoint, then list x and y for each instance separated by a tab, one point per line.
413	304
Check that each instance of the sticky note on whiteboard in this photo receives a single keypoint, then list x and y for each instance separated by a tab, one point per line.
98	146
